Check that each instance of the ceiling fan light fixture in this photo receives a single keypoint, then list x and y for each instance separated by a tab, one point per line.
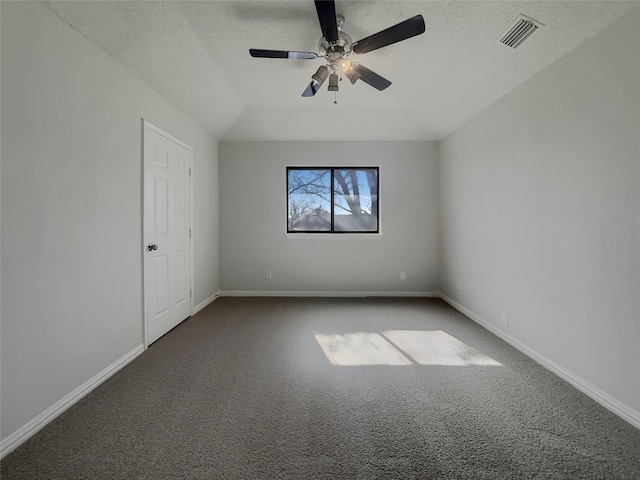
352	74
321	75
333	82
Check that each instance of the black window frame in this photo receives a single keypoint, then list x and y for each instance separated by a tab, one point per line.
332	203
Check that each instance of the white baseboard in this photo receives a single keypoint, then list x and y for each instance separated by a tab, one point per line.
623	411
322	293
29	429
203	304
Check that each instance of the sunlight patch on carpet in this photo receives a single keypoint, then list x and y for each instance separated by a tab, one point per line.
400	347
360	348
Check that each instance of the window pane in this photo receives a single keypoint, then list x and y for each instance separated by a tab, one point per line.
355	200
309	200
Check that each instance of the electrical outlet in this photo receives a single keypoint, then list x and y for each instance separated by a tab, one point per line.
458	285
403	275
268	274
505	319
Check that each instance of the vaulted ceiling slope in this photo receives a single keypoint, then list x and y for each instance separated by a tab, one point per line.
196	55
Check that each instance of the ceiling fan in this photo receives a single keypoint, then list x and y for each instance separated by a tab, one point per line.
335	46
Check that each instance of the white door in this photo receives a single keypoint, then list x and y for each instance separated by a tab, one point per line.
167	230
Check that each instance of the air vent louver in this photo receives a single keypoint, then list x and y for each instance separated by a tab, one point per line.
519	31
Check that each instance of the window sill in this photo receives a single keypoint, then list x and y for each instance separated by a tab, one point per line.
333	236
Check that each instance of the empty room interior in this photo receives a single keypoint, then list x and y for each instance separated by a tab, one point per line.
298	239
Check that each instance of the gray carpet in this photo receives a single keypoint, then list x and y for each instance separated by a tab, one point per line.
243	390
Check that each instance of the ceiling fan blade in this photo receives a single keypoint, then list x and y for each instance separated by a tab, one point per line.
312	89
327	16
370	77
258	53
402	31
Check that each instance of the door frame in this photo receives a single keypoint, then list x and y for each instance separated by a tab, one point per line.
144	124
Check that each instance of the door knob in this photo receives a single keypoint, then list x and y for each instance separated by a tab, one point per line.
151	246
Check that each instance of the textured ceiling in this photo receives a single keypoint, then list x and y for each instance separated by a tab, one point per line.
195	54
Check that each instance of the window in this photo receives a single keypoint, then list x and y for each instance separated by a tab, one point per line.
332	200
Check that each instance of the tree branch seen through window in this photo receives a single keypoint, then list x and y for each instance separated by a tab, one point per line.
332	199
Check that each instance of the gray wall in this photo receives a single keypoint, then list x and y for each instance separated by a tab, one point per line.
253	220
540	212
71	209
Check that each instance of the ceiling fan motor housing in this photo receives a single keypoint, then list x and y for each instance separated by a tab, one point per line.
344	41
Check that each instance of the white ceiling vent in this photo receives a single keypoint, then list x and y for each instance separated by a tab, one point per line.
519	31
